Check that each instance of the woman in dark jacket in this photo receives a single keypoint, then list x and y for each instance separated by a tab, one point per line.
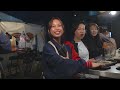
56	59
93	41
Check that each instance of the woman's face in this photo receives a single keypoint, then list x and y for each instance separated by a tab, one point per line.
93	30
56	29
80	32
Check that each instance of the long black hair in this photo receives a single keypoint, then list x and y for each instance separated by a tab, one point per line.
94	43
92	24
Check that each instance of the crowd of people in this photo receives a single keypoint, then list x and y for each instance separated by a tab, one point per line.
63	59
68	59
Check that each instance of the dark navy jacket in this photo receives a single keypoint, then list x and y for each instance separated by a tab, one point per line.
55	67
5	45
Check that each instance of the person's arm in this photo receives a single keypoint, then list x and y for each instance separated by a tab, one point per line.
67	67
104	38
114	42
76	57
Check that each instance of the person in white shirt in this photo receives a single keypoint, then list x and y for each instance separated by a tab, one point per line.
79	33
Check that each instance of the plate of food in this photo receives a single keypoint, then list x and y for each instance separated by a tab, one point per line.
112	62
118	60
103	67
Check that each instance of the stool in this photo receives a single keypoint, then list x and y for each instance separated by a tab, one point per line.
3	75
12	65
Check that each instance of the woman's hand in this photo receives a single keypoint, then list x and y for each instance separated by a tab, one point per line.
94	65
92	59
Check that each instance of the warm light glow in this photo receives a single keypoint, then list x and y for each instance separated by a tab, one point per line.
75	15
113	12
102	11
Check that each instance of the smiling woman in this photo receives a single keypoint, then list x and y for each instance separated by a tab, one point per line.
55	64
93	41
57	58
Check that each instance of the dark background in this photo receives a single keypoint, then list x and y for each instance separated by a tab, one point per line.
70	17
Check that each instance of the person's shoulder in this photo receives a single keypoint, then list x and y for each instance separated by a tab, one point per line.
68	43
112	39
47	45
102	35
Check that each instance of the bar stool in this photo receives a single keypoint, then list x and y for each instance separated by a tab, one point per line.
13	63
2	69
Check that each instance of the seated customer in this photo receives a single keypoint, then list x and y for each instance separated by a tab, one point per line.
78	45
56	59
78	34
109	43
93	41
107	34
5	44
